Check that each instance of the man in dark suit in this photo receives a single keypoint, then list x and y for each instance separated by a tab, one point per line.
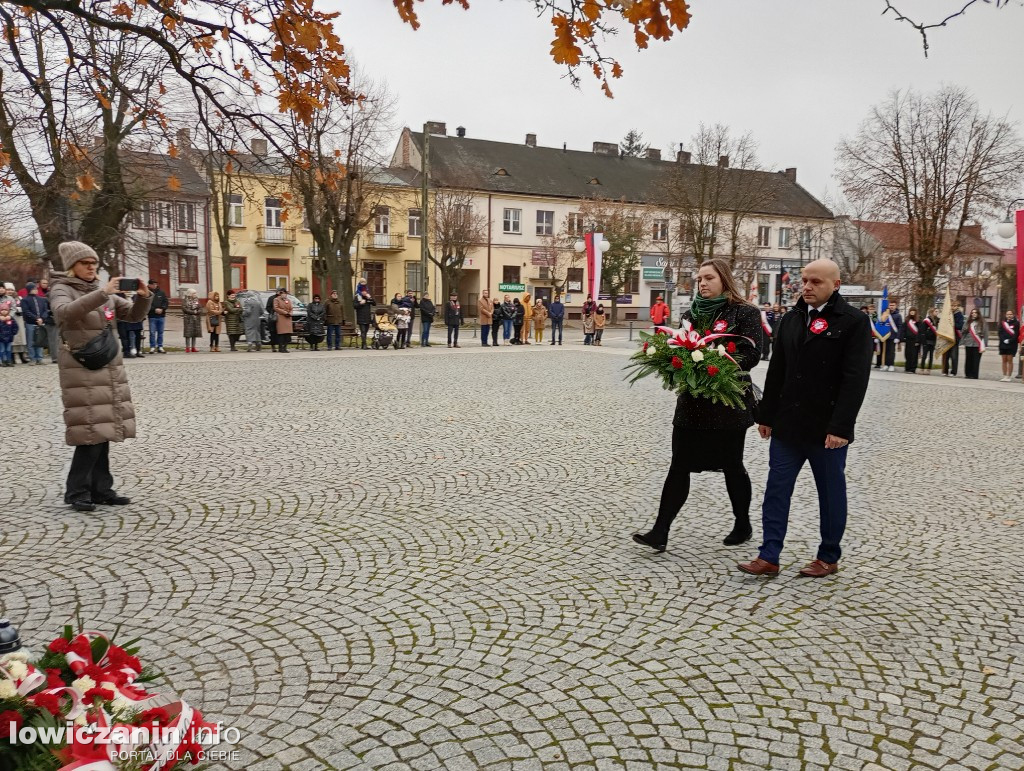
816	382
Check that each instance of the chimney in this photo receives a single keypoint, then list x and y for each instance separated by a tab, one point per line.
723	161
184	139
972	230
606	148
653	155
258	147
461	132
682	157
791	174
531	140
437	127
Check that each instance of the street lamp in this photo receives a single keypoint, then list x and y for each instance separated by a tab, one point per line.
1007	227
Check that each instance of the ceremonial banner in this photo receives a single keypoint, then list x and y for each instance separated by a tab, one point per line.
945	337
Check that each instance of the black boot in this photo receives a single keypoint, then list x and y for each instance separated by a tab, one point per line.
656	541
741	532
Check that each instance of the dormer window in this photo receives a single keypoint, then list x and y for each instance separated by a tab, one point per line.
500	172
594	181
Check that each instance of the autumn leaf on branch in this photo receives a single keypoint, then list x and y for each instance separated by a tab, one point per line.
173	184
85	181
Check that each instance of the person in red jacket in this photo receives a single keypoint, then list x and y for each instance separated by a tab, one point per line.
660	312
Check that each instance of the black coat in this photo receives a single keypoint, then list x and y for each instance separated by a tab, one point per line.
316	319
816	381
907	334
427	311
453	314
928	335
364	310
692	412
1008	340
159	301
520	313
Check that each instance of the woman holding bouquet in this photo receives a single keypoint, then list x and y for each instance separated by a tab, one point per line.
709	436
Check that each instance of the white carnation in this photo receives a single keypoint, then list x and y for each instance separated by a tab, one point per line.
7	689
83	684
651	351
16	656
697	356
17	669
721	349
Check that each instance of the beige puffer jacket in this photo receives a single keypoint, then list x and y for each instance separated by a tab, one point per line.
97	403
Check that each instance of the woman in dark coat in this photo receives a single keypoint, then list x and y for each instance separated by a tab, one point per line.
497	320
316	322
707	436
929	334
1009	334
233	319
911	334
517	321
363	303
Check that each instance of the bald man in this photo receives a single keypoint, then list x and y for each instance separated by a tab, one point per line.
814	389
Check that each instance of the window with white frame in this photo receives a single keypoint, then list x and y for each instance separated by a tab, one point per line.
660	230
805	238
186	216
415	223
272	210
235	209
574	224
143	216
166	210
545	223
709	232
512	221
784	234
764	235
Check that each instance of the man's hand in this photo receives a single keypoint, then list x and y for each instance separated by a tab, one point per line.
159	311
833	442
143	290
764	431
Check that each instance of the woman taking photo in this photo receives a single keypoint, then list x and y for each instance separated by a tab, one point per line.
707	436
1009	334
911	334
214	319
191	312
974	337
97	403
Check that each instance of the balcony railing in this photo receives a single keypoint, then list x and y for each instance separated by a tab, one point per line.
385	242
270	236
188	239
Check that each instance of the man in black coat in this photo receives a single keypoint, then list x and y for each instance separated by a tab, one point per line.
157	317
816	382
363	303
453	319
427	313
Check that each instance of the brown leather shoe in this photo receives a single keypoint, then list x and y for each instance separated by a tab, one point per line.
819	569
758	567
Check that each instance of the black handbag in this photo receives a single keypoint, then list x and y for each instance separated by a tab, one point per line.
98	352
39	337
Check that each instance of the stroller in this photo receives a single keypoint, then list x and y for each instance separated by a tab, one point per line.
384	329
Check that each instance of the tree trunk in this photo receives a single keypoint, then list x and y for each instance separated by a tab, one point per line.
926	296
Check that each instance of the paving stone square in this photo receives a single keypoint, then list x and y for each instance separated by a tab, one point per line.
421	560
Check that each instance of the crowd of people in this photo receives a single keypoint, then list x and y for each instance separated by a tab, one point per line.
917	338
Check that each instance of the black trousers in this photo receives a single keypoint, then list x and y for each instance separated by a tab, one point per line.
453	334
972	363
495	329
889	346
364	330
89	478
950	360
927	356
766	347
911	357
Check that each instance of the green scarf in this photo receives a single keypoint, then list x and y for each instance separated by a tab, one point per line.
704	309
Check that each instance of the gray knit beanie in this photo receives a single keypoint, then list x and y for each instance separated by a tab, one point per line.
73	251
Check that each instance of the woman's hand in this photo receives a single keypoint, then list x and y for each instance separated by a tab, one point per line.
112	286
143	290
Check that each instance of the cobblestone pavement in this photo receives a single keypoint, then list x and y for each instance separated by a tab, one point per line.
421	559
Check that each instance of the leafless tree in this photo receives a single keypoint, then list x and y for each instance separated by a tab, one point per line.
561	255
935	162
715	193
627	228
455	229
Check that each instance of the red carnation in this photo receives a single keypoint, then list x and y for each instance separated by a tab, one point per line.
53	679
677	363
96	673
712	370
99	693
60	645
47	701
6	718
80	646
646	346
731	348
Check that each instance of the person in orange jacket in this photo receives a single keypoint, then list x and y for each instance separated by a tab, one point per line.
660	313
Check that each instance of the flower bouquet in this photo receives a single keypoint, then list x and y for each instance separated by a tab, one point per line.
691	362
81	706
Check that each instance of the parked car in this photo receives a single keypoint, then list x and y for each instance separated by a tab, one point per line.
298	312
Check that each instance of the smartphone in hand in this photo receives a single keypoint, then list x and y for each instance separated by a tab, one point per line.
128	285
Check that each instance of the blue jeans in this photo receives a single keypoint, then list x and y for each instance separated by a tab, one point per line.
506	333
425	332
6	352
156	331
785	459
484	330
556	324
35	352
333	333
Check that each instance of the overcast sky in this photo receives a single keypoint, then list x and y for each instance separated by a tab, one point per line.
799	74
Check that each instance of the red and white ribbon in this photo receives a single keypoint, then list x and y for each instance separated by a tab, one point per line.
977	338
912	325
1009	329
928	321
764	323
